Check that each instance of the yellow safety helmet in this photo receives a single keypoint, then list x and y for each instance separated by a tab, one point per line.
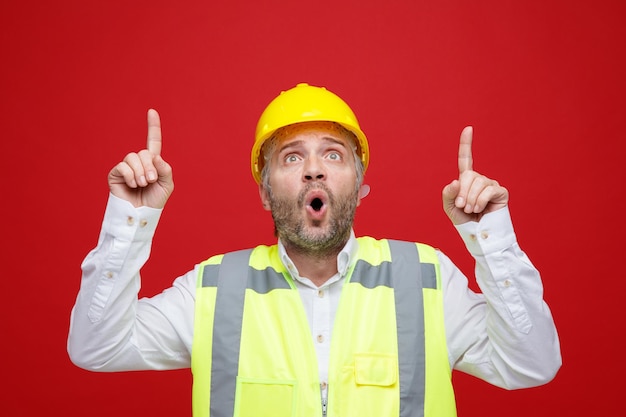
305	103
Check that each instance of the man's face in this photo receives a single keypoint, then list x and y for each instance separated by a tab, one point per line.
313	191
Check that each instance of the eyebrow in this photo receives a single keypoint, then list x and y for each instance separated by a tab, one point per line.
297	143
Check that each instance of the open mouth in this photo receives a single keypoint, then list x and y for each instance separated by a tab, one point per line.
317	204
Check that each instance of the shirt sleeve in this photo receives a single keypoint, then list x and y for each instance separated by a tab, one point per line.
110	328
505	334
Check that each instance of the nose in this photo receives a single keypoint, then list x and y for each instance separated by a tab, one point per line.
313	170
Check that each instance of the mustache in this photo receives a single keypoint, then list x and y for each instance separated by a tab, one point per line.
315	186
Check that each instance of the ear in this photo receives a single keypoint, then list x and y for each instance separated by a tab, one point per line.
265	199
363	192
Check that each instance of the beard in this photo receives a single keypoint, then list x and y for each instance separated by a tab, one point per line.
314	240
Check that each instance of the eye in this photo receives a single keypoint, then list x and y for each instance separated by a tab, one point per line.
291	158
334	156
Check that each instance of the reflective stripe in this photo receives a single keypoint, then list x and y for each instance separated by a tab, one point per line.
407	280
209	275
231	288
429	275
267	280
261	282
371	276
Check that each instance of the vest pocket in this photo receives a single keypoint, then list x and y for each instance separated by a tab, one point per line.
265	398
378	370
367	387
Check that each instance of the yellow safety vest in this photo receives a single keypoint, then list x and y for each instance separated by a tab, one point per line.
253	355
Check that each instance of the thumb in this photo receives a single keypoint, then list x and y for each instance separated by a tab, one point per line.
164	170
450	192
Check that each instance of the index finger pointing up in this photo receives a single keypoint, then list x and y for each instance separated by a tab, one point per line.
465	150
154	132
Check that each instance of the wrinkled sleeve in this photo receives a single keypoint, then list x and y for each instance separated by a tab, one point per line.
110	328
504	334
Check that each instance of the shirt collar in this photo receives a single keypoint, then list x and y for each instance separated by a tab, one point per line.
344	259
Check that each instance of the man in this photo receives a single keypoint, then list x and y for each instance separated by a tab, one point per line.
322	323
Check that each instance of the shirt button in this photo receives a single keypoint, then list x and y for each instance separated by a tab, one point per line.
507	283
484	235
473	236
320	293
320	338
109	274
143	223
323	385
130	220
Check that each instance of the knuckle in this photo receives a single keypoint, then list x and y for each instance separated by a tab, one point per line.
130	156
120	169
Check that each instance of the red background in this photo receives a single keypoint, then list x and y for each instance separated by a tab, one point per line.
541	82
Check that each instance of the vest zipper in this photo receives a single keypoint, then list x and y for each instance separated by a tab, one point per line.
324	400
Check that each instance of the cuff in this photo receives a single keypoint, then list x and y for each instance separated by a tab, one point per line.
126	222
493	233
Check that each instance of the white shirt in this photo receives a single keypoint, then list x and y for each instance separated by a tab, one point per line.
504	335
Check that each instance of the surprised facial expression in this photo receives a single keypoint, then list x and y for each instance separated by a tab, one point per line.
313	190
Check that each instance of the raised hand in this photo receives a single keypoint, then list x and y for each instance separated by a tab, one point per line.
472	195
144	178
